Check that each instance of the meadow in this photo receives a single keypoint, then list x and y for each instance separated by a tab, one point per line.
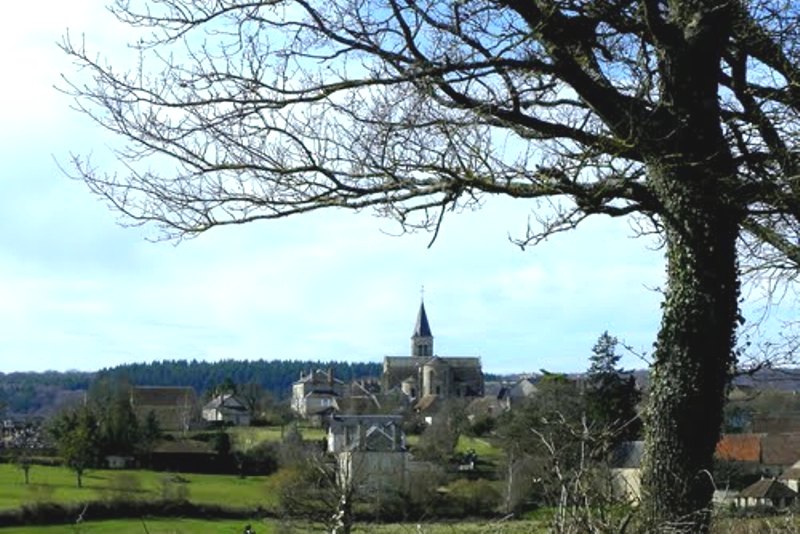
193	526
57	484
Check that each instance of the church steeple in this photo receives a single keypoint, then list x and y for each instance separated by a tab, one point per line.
422	339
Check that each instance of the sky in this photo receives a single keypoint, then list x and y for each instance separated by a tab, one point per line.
79	291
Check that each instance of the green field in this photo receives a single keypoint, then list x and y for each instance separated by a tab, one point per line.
151	526
57	484
244	438
481	446
191	526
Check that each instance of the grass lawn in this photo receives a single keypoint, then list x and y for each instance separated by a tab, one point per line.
481	446
245	437
191	526
153	526
57	484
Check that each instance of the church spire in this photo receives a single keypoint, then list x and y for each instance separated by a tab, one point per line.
422	339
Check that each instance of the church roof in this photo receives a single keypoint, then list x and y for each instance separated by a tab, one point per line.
422	328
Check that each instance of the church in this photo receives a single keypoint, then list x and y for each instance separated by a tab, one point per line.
425	374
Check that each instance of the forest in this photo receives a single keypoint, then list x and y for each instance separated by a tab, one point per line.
31	393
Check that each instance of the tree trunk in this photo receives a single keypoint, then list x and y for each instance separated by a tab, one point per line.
694	352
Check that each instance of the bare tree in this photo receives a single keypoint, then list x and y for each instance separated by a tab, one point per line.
325	488
680	112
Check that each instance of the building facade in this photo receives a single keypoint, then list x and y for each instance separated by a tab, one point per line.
316	392
425	374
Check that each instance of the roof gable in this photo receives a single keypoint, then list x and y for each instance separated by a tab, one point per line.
162	395
768	489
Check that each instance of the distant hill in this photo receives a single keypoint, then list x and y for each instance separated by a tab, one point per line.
783	379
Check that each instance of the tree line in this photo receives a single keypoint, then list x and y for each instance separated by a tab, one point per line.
25	393
274	376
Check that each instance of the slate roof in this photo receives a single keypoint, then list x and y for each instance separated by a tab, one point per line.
162	395
768	488
628	455
422	328
793	473
780	449
227	401
319	377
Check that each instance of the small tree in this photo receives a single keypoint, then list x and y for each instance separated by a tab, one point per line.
24	443
77	437
439	440
23	460
322	489
553	416
151	431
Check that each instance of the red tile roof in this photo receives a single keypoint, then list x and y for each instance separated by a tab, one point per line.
739	448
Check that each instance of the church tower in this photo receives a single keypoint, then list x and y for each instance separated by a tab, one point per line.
422	340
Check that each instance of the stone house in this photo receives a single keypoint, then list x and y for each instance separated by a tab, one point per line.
791	476
227	409
779	452
767	454
516	393
426	374
370	451
316	392
175	407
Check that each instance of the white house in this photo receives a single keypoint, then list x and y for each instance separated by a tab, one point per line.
316	392
226	409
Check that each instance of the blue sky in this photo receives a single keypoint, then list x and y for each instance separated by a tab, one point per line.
81	292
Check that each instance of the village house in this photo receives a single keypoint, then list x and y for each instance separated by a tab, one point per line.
766	492
175	407
370	451
626	470
766	454
226	409
517	393
425	374
317	394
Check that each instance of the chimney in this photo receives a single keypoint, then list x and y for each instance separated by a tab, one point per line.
330	376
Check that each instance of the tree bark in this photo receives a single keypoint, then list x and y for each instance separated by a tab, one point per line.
694	351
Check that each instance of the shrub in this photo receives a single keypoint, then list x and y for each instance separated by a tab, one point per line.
123	486
174	488
482	425
473	497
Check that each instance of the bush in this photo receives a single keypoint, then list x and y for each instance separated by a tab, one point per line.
174	488
482	425
262	459
472	497
123	486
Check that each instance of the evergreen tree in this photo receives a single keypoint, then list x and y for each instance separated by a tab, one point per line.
611	395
